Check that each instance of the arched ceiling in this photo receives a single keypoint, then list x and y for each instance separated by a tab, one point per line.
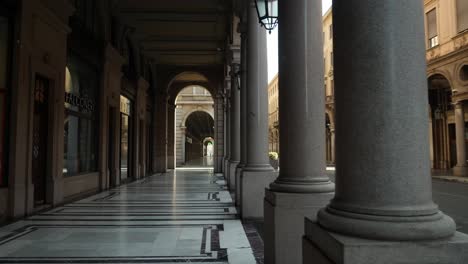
179	32
438	81
200	125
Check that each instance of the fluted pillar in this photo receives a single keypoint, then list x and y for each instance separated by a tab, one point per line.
257	171
461	168
302	187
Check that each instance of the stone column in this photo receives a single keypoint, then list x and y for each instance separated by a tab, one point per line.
160	133
383	183
219	133
171	135
257	173
243	108
183	140
302	187
235	125
227	123
461	168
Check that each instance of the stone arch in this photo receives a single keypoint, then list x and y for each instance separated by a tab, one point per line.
187	115
442	151
187	86
443	73
195	150
180	80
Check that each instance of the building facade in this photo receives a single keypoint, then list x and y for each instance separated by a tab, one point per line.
447	62
273	115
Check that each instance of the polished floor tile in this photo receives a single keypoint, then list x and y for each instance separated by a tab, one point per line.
180	216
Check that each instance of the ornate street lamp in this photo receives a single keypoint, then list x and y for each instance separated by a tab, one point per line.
267	11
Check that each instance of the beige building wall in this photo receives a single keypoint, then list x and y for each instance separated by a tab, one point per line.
446	26
273	115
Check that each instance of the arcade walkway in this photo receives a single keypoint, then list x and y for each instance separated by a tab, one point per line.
181	216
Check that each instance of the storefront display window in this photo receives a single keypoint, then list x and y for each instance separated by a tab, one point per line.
4	59
80	128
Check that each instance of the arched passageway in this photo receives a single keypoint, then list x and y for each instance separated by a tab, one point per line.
194	127
442	127
199	129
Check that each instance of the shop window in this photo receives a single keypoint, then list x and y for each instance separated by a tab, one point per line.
80	128
4	50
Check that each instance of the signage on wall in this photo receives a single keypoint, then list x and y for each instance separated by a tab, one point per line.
189	140
81	102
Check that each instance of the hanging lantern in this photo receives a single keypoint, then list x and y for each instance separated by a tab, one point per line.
267	11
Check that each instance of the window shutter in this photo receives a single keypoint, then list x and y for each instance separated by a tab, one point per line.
462	15
431	17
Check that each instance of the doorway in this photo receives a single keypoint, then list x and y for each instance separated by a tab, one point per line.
40	140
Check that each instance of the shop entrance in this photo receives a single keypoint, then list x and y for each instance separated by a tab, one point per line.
39	148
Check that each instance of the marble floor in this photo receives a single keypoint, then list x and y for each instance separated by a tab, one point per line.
186	215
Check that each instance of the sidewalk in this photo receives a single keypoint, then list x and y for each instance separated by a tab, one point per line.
450	178
447	175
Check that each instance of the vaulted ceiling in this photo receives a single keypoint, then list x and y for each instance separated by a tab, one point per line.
180	32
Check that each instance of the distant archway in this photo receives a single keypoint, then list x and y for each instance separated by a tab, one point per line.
194	124
198	127
442	132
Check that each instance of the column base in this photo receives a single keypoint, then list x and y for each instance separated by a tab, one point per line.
461	171
314	185
284	223
232	175
323	247
253	184
239	170
390	228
